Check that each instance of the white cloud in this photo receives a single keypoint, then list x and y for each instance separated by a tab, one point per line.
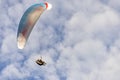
15	12
110	68
106	19
115	4
12	72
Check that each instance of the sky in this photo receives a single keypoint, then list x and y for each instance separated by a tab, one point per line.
78	39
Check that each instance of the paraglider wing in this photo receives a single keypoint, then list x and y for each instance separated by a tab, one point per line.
28	21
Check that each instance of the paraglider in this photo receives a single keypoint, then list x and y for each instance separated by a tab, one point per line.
28	21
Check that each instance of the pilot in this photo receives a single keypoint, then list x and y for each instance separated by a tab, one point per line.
40	62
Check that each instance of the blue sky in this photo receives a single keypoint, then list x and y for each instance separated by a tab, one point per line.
78	39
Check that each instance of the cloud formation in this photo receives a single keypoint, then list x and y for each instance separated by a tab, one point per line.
79	40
